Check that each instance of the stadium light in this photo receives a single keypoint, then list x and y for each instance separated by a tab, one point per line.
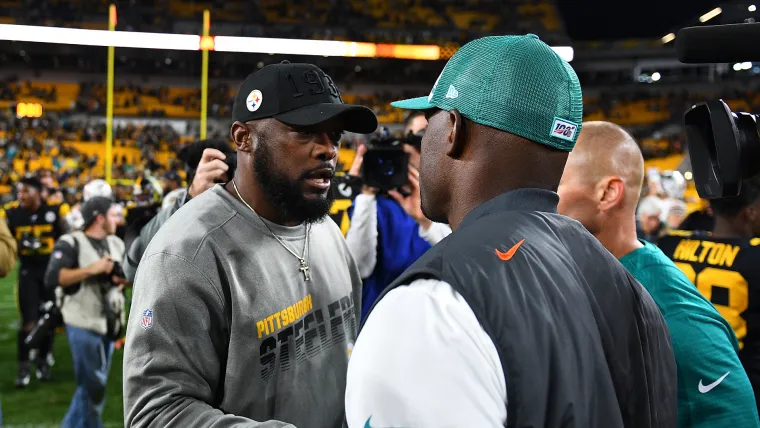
565	52
668	38
710	15
189	42
119	39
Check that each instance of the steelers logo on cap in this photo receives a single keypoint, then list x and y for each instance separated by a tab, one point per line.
253	102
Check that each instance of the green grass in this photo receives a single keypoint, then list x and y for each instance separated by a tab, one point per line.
45	404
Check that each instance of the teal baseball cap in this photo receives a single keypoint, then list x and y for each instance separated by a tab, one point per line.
517	84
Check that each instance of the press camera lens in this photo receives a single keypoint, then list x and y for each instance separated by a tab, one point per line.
385	167
724	148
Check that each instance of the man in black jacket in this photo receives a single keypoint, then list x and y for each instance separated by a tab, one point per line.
519	317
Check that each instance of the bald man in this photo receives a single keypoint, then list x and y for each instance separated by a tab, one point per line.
600	187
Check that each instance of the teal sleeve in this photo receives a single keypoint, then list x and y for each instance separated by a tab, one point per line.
705	349
704	355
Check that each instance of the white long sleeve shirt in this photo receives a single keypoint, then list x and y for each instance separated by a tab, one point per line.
443	371
362	234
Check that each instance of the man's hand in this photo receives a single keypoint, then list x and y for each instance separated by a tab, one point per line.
121	282
412	204
211	170
102	266
356	168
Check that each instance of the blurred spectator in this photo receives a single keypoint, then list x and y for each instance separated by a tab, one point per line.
7	262
648	224
7	250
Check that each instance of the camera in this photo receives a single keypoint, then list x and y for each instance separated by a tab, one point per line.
50	319
724	147
386	164
117	271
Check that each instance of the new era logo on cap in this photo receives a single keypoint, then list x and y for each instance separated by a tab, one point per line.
452	92
564	129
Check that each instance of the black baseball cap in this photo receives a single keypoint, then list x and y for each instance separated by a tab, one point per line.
95	206
31	180
297	95
172	175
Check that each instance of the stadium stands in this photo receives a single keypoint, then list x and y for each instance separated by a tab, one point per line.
406	21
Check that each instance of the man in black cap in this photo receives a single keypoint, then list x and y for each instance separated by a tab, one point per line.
92	304
246	301
36	225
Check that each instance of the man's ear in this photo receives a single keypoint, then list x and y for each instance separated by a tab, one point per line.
612	192
241	137
456	139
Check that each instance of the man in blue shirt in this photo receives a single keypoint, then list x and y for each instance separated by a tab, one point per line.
389	232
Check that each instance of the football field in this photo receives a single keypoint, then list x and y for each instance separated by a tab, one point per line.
44	404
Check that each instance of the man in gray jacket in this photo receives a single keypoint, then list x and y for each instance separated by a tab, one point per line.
246	301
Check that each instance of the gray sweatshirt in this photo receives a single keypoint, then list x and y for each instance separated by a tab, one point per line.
224	331
135	251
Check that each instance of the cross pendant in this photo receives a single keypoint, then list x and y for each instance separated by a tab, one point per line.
305	270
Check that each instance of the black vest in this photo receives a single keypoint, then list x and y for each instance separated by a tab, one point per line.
581	343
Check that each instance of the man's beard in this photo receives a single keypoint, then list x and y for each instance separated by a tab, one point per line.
286	195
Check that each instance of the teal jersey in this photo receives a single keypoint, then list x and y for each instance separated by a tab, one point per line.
713	388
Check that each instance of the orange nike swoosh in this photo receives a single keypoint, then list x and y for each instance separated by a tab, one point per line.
511	252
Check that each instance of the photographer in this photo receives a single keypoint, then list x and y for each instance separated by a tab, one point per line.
92	304
208	162
389	232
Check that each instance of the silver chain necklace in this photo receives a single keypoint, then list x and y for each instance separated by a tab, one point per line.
304	264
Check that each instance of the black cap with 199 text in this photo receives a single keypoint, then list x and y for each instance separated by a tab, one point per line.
298	95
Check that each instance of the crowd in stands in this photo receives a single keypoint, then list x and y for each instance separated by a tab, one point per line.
644	113
59	141
62	146
383	21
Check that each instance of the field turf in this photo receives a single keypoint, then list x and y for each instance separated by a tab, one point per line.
44	404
